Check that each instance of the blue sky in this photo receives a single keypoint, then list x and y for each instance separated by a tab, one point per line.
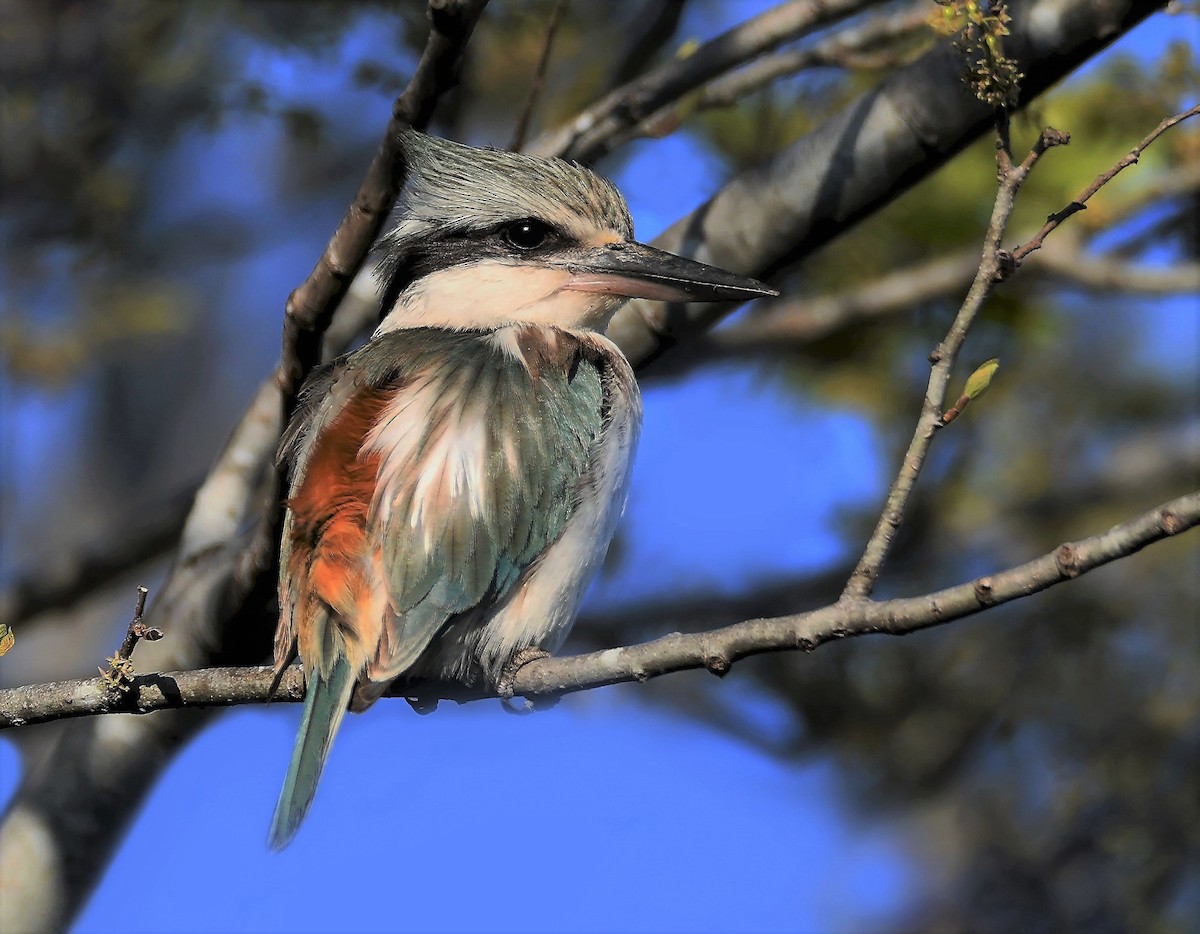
605	813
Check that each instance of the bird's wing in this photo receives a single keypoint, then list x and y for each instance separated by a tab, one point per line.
482	449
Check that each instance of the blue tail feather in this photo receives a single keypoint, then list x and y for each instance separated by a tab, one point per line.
324	707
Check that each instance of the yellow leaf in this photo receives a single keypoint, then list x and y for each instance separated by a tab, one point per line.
6	638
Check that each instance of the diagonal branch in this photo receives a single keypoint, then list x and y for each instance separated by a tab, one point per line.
850	47
655	23
1015	256
994	265
716	650
591	134
311	305
862	579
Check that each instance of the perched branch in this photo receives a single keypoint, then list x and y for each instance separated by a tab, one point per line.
539	76
862	580
593	132
717	650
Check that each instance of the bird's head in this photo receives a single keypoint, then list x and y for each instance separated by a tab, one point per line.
486	237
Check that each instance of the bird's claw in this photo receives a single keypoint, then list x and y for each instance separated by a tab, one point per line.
508	677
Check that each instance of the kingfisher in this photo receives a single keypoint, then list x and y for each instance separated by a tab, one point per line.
455	482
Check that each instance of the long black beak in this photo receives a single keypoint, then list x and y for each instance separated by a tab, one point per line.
635	270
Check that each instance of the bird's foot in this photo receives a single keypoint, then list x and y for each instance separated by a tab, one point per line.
507	681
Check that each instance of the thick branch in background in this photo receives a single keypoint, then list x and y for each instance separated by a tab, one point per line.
771	218
597	130
716	650
69	814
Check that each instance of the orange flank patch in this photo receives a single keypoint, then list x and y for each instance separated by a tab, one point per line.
329	516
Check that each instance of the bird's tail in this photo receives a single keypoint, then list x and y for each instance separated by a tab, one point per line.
324	707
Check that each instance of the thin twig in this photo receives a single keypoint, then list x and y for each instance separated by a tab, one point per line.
716	650
1013	257
119	675
862	580
539	76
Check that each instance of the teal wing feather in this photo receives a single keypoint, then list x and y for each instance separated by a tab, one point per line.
324	707
483	451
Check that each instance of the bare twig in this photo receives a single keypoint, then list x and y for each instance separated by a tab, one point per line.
591	134
716	650
994	264
862	580
1014	256
119	674
539	76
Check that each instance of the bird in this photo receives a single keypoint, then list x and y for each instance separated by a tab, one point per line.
455	482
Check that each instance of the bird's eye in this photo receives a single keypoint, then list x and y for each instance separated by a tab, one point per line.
528	234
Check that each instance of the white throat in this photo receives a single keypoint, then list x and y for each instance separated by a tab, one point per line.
490	293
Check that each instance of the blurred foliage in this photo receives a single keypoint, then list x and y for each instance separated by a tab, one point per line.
1046	753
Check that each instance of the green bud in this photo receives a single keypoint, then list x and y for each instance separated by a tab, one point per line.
978	382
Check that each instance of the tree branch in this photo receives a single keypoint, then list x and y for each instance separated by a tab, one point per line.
790	324
1015	256
772	217
593	133
717	650
846	48
657	21
862	580
311	305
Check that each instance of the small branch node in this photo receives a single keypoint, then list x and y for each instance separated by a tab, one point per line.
1067	559
719	665
984	593
1052	137
1170	522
